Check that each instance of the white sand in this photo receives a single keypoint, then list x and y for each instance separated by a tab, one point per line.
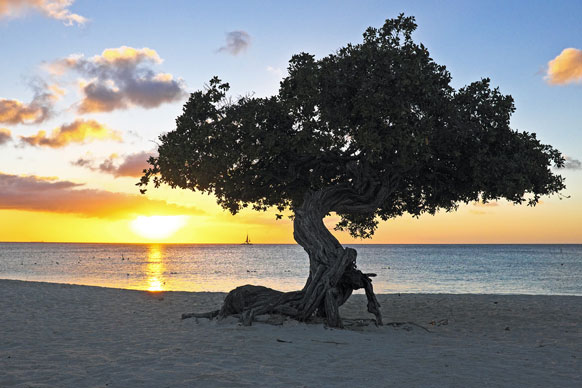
55	335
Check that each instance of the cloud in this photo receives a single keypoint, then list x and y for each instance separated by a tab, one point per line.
488	204
276	71
83	162
37	111
565	68
5	136
54	9
33	193
131	165
236	42
121	78
572	164
481	207
79	131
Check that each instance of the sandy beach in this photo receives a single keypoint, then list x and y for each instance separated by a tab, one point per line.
54	335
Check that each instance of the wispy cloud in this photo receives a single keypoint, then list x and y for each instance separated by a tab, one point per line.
5	136
236	42
572	164
79	131
54	9
482	204
566	68
131	165
121	78
36	111
276	71
479	208
33	193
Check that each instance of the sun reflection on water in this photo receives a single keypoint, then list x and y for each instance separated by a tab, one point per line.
155	268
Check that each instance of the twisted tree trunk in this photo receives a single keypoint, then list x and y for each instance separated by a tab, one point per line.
333	274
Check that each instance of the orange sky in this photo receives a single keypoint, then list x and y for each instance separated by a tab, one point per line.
553	221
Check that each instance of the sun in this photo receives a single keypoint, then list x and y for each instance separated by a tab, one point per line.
158	227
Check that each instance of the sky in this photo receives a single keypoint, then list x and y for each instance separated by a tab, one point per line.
86	88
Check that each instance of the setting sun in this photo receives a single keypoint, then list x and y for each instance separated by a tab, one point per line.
158	227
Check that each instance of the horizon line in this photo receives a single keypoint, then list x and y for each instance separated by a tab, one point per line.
275	243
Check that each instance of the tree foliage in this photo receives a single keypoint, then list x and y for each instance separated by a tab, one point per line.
378	121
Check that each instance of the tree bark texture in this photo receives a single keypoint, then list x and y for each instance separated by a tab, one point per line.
333	274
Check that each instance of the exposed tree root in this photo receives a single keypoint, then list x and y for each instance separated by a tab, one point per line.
248	302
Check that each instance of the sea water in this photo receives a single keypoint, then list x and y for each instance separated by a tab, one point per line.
499	269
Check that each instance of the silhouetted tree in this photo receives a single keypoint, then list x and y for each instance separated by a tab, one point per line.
369	133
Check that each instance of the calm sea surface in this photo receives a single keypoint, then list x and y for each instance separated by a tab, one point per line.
500	269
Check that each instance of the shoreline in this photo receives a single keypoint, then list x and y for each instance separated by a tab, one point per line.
226	292
70	335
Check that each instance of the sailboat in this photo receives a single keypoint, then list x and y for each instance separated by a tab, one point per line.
247	241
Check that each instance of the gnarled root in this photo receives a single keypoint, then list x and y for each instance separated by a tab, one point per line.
322	297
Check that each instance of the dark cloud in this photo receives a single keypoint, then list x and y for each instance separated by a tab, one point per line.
572	164
82	162
33	193
101	98
121	78
79	131
236	42
5	136
54	9
131	165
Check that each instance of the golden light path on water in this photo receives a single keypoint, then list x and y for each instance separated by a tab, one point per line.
155	268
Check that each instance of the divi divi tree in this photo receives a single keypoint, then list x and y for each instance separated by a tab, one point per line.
369	133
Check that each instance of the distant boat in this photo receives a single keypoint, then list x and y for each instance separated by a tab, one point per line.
247	241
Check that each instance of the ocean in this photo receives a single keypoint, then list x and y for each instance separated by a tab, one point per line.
456	269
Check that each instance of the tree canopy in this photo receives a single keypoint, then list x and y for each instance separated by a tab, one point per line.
378	122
